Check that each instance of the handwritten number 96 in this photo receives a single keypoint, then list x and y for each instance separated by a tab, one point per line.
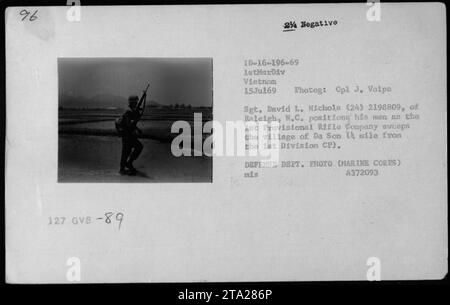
26	13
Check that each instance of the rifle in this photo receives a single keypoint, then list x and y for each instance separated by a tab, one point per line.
141	104
140	109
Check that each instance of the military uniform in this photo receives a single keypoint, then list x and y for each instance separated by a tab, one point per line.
131	146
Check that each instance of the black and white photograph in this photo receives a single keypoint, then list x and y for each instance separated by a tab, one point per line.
183	145
115	117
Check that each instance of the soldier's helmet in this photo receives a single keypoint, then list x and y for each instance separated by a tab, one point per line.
133	100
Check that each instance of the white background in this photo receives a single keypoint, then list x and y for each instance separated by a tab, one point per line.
309	224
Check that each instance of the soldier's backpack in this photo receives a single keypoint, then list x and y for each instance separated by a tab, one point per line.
120	124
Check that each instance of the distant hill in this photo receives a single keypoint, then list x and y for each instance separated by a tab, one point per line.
151	103
98	101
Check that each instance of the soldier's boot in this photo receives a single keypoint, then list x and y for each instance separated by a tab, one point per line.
123	171
131	168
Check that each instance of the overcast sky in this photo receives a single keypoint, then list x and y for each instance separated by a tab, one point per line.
187	81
